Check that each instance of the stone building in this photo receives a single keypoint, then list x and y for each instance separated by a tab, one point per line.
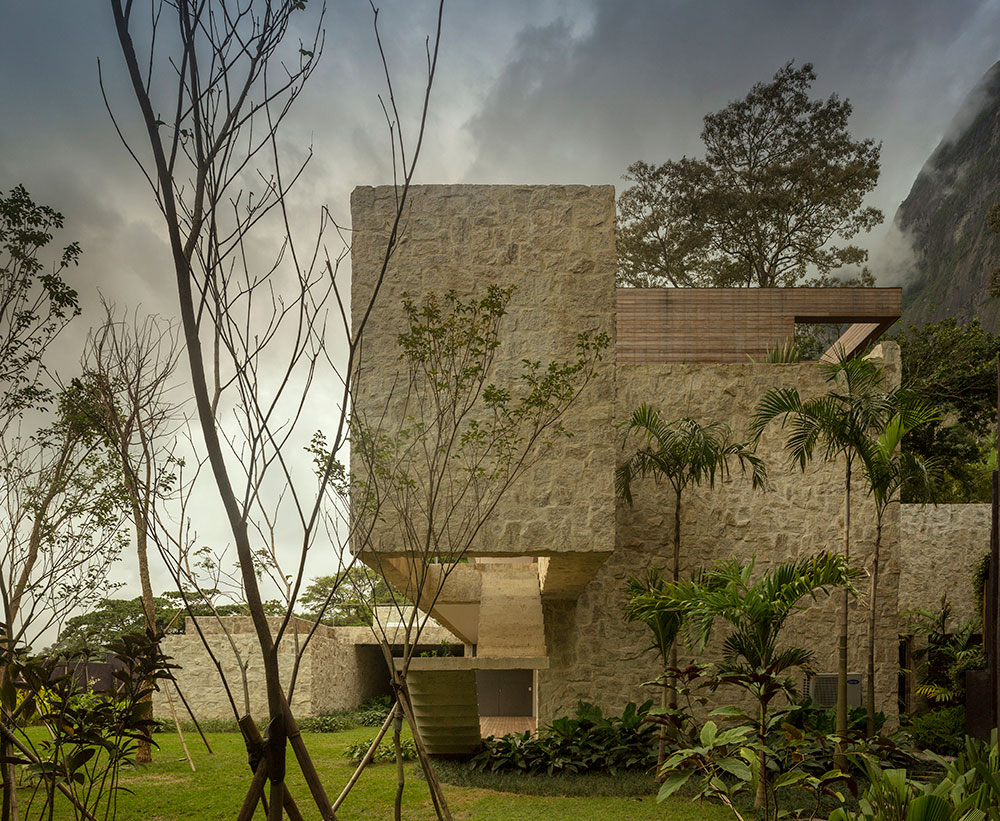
540	604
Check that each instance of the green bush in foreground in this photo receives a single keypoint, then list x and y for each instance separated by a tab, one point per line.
940	731
383	752
969	790
589	742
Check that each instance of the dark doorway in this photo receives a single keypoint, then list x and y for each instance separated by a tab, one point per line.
505	692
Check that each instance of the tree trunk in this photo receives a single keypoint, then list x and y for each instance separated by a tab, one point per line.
760	799
397	729
9	811
872	616
144	751
840	759
676	575
661	755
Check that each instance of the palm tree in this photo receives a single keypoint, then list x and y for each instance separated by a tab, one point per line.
842	421
682	452
887	469
665	624
756	610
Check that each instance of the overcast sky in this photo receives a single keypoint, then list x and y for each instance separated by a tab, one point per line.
528	91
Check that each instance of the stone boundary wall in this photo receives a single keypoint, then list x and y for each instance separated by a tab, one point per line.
341	667
940	548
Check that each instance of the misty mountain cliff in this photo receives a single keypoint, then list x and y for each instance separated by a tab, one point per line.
944	217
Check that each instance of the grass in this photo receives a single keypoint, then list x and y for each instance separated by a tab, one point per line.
167	790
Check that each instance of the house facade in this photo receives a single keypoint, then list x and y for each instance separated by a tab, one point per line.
551	565
540	603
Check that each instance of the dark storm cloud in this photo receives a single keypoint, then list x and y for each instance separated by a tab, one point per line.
558	91
579	107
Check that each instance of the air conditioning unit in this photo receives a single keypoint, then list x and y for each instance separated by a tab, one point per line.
822	689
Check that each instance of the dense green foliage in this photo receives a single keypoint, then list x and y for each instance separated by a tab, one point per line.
943	654
941	730
347	598
587	742
953	366
781	180
385	751
968	791
89	738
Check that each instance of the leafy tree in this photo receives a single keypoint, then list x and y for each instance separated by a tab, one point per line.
35	301
756	610
111	619
887	469
682	453
842	420
664	624
781	181
953	366
347	598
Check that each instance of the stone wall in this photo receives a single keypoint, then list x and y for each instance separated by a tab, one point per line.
596	655
341	667
556	245
940	548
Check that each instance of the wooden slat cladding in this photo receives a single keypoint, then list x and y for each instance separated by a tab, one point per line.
730	324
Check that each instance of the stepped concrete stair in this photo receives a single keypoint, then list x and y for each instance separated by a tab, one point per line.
511	635
511	624
446	708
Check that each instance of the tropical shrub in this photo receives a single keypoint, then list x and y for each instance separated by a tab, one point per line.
371	713
89	737
941	730
790	773
374	711
383	752
328	723
969	790
588	742
807	715
946	655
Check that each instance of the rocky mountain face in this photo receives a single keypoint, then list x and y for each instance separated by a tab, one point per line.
944	217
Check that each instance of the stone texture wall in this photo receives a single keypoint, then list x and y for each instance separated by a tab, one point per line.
199	678
341	668
556	245
940	548
596	655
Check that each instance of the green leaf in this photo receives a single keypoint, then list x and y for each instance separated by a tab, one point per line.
791	777
929	808
735	767
708	734
672	784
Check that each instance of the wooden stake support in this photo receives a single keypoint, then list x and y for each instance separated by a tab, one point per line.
177	724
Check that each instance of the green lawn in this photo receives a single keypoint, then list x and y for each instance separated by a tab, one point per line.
167	790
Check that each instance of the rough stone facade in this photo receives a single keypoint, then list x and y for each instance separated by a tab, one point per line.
597	656
940	548
556	245
341	667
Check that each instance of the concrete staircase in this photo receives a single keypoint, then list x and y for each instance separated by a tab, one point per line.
511	635
510	612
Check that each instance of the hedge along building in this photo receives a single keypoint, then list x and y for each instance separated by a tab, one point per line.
540	605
